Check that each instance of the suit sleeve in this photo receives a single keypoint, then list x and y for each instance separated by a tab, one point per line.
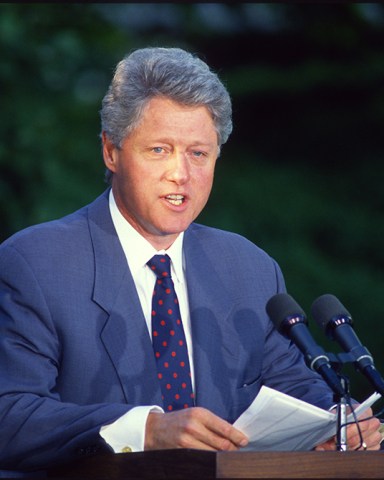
37	428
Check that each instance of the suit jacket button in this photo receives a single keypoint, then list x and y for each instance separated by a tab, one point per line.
126	450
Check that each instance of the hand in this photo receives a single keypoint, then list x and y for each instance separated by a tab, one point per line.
369	430
194	427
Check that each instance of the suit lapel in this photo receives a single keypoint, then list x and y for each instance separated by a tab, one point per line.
125	335
215	351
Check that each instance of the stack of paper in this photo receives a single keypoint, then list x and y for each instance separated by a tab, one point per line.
276	421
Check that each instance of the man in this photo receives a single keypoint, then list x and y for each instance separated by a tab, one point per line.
79	374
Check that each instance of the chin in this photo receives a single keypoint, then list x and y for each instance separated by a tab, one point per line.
174	228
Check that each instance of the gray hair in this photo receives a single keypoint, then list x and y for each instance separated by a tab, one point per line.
170	72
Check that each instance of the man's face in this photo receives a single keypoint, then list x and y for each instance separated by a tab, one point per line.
164	171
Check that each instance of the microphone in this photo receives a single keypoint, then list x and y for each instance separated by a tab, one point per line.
331	315
290	320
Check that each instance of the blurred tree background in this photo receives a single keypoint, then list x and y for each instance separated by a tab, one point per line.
302	173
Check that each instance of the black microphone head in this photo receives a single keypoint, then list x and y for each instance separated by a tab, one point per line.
290	320
326	310
282	307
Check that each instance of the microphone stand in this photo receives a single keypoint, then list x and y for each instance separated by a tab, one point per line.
342	403
337	361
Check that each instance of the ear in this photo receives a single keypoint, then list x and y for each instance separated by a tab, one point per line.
109	152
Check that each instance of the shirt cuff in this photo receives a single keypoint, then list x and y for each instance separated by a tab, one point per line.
127	433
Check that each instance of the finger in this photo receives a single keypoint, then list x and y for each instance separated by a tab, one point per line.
370	442
213	431
367	432
226	431
326	446
191	428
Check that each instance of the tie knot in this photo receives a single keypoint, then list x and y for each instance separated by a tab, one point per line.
161	265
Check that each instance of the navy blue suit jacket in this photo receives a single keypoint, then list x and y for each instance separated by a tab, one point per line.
75	353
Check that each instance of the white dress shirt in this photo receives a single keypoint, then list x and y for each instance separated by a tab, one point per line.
127	432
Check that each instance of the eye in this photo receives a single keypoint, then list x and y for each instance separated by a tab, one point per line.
158	149
198	153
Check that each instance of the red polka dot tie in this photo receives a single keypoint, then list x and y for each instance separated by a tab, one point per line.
168	339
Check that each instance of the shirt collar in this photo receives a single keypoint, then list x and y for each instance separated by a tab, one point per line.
138	250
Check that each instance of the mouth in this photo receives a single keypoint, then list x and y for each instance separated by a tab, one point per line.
176	200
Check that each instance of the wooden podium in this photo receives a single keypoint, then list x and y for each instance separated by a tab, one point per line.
198	464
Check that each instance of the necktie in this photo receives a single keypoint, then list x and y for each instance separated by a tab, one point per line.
168	339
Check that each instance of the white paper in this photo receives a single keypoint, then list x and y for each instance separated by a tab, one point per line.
276	421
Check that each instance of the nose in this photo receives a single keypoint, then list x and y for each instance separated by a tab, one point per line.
179	169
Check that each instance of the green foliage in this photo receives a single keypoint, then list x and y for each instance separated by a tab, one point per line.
54	71
302	173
